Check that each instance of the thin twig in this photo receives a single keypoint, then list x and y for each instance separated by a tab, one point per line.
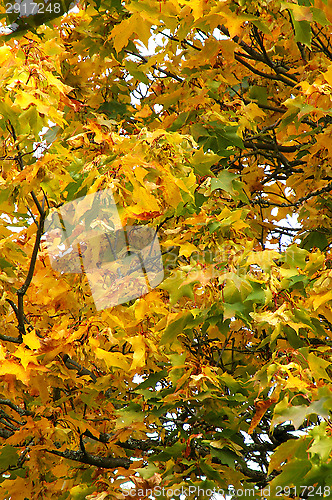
154	66
265	203
21	291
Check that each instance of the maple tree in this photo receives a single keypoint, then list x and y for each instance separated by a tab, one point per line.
213	141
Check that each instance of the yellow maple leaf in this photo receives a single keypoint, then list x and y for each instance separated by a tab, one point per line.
318	300
113	359
197	8
252	111
295	383
23	99
264	258
25	356
12	368
328	75
139	351
234	23
121	33
5	53
187	249
31	340
56	82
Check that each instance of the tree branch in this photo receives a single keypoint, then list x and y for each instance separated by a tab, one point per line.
184	41
21	291
265	203
269	76
154	66
271	146
129	444
15	309
21	411
72	365
19	158
87	458
6	433
266	106
257	56
7	338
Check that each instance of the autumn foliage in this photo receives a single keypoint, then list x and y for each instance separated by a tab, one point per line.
221	141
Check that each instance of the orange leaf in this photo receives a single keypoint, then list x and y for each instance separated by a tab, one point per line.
261	407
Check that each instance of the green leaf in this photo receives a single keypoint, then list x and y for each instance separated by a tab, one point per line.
218	137
175	328
323	448
210	472
224	181
292	473
293	338
134	70
201	162
170	452
295	257
4	264
258	93
81	491
33	121
199	200
152	380
197	130
213	226
226	456
320	475
297	414
178	285
132	413
180	121
257	295
228	136
8	457
318	367
302	31
5	194
147	472
294	448
113	109
319	16
51	134
314	239
213	87
301	316
298	282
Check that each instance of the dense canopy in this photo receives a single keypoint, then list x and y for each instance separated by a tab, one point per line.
210	122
